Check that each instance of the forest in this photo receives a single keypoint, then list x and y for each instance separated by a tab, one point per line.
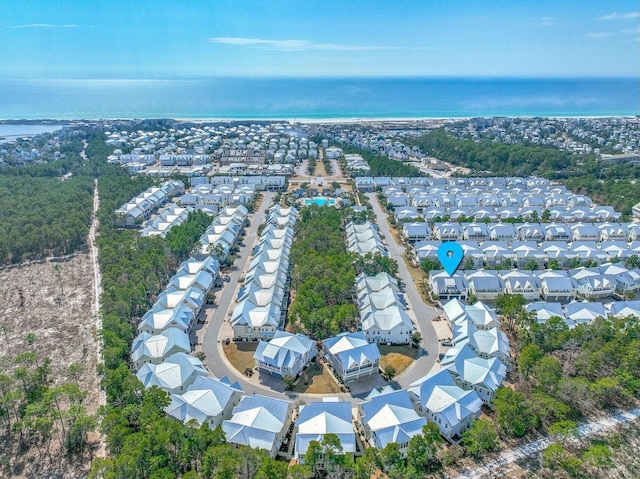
323	275
564	375
608	184
43	216
381	165
34	412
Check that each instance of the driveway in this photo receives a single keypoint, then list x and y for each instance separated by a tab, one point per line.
420	312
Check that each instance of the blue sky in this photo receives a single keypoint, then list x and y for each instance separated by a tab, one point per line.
169	39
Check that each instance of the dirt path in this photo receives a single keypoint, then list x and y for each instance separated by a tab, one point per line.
491	468
101	450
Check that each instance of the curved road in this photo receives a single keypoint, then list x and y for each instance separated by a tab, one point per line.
217	327
216	360
422	313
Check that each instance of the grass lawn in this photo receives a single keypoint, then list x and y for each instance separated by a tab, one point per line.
240	355
320	170
316	379
400	357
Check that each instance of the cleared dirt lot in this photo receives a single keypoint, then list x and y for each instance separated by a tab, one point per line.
52	301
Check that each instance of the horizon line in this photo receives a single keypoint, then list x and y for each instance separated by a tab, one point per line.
324	77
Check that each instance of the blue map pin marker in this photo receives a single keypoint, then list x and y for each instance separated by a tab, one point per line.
450	254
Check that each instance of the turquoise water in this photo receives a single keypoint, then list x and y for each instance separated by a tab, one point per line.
319	201
325	98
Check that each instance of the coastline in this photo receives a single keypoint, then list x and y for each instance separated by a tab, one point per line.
292	119
321	100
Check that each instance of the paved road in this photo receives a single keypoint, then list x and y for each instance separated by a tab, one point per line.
217	328
422	313
211	346
490	469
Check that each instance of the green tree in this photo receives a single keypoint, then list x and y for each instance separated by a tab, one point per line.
389	372
429	264
481	437
529	356
299	471
421	454
332	452
468	263
633	261
390	457
366	464
289	381
513	412
554	456
547	373
565	429
313	455
599	456
510	306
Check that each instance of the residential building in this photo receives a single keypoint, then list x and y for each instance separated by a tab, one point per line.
351	356
286	354
437	397
259	422
207	401
389	416
320	418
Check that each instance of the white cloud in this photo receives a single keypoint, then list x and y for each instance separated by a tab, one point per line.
620	16
44	25
293	45
547	22
599	35
631	31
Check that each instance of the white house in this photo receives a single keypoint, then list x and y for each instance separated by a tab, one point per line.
259	422
155	348
389	416
207	401
320	418
437	397
470	371
351	356
382	310
285	354
174	374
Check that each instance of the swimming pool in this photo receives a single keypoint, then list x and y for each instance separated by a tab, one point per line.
319	201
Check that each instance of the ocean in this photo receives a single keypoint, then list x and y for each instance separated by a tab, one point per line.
319	98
